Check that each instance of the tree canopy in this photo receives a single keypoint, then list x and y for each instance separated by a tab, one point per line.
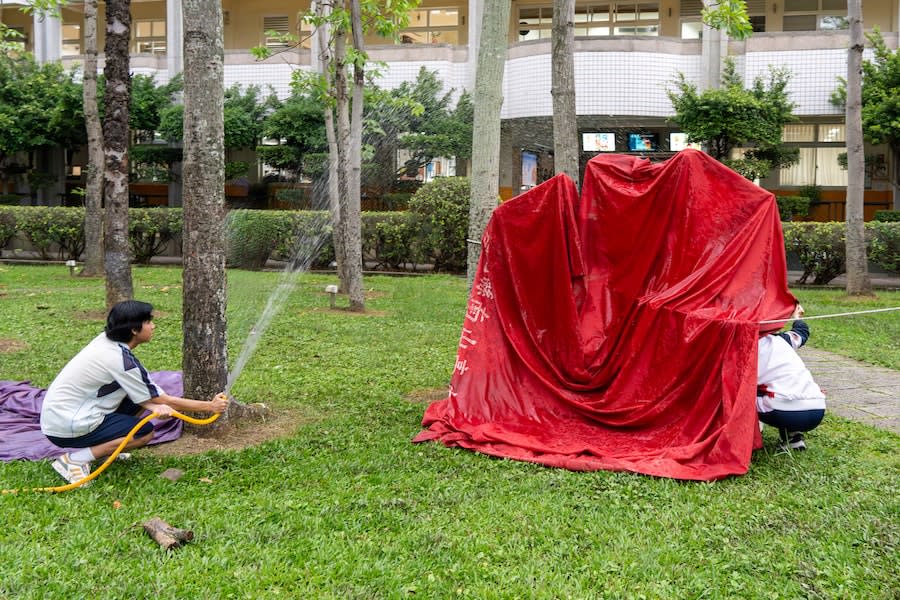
40	106
733	116
880	100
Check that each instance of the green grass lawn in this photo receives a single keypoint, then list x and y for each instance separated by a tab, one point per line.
347	507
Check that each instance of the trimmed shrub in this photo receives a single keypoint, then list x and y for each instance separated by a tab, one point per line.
151	229
887	215
884	244
390	239
792	206
306	240
46	227
251	236
441	217
820	248
8	226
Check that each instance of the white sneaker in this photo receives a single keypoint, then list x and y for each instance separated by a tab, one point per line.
70	470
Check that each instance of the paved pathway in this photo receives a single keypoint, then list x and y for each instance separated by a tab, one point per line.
857	390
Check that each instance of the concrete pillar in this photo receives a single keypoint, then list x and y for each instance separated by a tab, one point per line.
714	49
476	10
47	38
174	38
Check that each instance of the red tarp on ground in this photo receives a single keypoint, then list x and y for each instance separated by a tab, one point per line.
620	331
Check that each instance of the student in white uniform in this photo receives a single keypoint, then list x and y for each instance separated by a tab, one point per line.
100	395
787	397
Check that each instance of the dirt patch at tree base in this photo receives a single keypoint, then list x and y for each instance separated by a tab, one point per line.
8	346
428	395
242	433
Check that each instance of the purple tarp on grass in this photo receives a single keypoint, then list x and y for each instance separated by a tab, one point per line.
20	415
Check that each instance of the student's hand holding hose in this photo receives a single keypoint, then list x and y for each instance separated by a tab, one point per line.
798	312
219	403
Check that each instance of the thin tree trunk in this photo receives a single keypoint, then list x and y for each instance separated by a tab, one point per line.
204	347
565	123
354	217
334	196
93	199
487	100
858	282
342	100
117	255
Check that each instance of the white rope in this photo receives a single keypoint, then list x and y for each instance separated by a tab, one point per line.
857	312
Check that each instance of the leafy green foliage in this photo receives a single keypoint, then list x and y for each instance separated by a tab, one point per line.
251	235
884	247
887	215
151	229
345	507
880	105
730	16
792	206
46	227
8	227
148	102
40	106
299	124
244	112
732	116
441	207
820	248
392	239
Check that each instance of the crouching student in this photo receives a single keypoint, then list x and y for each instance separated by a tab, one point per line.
787	397
98	397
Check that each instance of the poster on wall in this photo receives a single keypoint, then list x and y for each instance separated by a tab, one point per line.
598	142
679	141
529	170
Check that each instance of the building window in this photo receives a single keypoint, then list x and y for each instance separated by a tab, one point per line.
613	18
820	146
71	39
150	36
274	27
432	26
815	15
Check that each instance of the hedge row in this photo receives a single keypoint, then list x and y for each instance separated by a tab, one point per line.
391	240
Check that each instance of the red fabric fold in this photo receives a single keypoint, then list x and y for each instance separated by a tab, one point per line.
619	331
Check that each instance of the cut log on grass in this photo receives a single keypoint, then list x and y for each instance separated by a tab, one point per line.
165	535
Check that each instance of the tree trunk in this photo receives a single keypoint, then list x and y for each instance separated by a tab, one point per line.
565	121
858	282
487	101
342	139
354	217
204	357
93	199
326	60
117	255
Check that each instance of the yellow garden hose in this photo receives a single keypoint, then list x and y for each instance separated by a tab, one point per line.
112	457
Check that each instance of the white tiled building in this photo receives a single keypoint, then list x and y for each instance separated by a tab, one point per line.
628	53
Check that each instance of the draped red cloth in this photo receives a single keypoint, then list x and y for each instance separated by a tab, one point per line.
619	331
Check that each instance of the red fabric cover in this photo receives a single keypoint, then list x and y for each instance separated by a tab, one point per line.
620	331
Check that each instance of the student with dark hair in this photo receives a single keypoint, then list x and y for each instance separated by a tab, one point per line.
787	397
98	397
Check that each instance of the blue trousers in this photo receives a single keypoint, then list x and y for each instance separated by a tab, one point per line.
792	421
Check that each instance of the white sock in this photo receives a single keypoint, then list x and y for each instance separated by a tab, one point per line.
83	455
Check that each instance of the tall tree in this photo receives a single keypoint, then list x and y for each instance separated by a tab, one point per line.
858	282
732	116
117	258
341	25
93	199
487	101
565	119
204	358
